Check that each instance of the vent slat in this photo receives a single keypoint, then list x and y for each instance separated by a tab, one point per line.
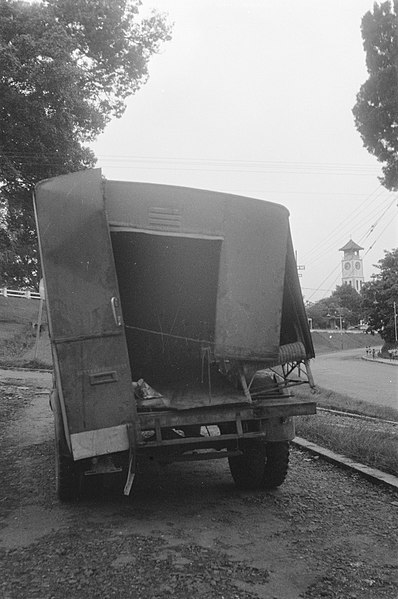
164	218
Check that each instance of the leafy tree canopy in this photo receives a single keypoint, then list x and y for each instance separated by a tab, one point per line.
379	296
66	68
320	313
376	108
345	302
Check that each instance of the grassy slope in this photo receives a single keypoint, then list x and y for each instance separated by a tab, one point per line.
16	314
325	341
18	310
17	335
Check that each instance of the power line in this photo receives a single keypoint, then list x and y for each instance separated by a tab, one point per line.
355	222
372	228
324	280
381	233
214	162
368	250
253	167
317	289
296	192
271	170
248	163
337	230
359	224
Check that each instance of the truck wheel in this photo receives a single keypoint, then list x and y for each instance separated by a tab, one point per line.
67	476
261	466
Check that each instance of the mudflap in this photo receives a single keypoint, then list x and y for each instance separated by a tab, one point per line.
132	459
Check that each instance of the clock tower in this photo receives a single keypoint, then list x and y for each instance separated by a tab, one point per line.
351	266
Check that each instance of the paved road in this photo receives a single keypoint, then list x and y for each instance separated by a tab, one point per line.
345	372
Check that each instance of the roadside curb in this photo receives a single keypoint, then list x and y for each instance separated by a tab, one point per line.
372	474
380	360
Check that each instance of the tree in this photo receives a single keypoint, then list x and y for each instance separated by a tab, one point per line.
379	296
66	68
376	108
350	304
318	312
345	302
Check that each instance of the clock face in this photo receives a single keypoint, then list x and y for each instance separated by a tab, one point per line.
357	265
347	265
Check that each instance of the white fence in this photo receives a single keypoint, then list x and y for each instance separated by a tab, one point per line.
28	294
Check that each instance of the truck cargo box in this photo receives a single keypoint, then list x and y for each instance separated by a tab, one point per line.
170	309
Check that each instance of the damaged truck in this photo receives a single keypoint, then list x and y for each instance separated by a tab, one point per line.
177	328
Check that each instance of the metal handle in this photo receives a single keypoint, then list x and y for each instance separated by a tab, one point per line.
101	378
115	303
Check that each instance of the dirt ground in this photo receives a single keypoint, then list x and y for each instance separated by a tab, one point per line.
185	531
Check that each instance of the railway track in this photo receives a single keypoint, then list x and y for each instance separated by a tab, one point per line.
359	416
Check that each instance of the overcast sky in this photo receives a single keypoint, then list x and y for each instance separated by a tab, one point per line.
254	97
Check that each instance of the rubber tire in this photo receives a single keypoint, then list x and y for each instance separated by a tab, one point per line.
67	480
261	465
67	475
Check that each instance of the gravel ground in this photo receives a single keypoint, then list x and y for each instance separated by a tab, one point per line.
186	531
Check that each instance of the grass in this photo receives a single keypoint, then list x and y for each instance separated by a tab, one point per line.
17	336
375	448
338	401
12	350
368	442
18	310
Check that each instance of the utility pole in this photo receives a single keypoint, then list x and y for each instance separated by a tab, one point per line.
395	321
301	267
341	329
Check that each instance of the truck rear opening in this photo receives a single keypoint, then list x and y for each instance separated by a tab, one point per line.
168	290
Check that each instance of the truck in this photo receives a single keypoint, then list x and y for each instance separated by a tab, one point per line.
177	327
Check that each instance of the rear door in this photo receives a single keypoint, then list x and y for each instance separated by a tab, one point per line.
85	320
